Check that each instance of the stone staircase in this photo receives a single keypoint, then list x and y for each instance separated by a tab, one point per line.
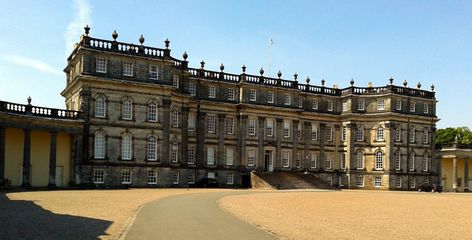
287	180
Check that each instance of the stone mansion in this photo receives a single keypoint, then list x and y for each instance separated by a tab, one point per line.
148	119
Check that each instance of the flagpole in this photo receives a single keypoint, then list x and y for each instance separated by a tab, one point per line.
270	54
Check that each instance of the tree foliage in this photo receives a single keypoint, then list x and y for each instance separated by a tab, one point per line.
448	135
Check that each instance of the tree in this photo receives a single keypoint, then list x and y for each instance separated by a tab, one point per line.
448	135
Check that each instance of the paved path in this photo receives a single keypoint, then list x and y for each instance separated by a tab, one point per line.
191	216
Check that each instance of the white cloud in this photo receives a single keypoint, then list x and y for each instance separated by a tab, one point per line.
76	26
33	63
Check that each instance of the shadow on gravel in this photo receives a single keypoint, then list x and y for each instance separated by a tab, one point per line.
26	220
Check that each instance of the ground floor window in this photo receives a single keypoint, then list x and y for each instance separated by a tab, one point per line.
412	182
378	182
328	163
126	177
360	181
398	182
341	180
330	180
251	158
152	177
98	176
286	159
176	177
426	180
191	177
230	178
314	160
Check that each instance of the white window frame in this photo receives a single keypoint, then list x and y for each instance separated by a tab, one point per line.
210	156
174	151
313	160
343	161
270	97
191	122
98	176
100	106
101	65
379	160
231	94
345	106
126	147
377	181
425	163
380	134
300	102
151	148
229	125
175	81
212	92
360	160
300	131
229	156
426	108
191	155
411	163
360	104
413	107
413	182
230	178
398	134
286	128
380	104
153	72
398	182
398	105
360	134
192	89
412	134
211	123
287	99
252	126
191	177
329	133
286	158
174	117
251	158
315	104
128	69
152	177
127	109
398	161
152	112
100	144
330	105
328	163
314	131
176	178
344	134
360	180
126	177
425	136
298	161
252	95
269	127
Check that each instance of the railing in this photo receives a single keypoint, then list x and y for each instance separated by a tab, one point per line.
453	146
114	46
38	111
388	89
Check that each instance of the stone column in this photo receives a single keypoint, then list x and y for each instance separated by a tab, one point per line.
454	174
2	153
242	141
26	159
294	144
184	135
322	137
165	123
306	147
350	154
52	159
260	144
220	159
278	150
77	140
201	138
466	174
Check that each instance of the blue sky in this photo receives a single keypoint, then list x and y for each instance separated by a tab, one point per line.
420	41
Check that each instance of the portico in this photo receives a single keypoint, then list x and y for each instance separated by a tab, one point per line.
455	167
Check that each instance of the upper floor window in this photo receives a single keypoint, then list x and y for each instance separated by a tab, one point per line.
425	163
344	134
314	104
211	123
211	92
345	106
426	108
361	104
252	95
413	107
127	109
153	72
412	162
270	127
192	89
126	146
152	112
252	126
229	125
299	131
378	160
300	102
175	117
330	106
412	134
286	159
229	156
343	161
398	105
286	129
231	94
191	122
381	104
270	97
287	99
128	69
175	81
313	160
328	162
174	152
360	134
251	158
210	156
380	134
398	134
191	155
425	136
152	148
314	131
99	145
329	133
101	65
359	160
398	161
100	106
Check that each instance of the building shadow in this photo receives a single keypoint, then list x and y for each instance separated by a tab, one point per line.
21	219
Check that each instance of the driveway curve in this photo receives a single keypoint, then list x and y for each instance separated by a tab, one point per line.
192	216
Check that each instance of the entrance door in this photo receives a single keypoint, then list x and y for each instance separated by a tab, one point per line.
268	162
59	175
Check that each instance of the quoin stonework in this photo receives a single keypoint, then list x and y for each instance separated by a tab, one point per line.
148	119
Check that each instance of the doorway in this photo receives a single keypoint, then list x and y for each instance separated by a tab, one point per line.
268	161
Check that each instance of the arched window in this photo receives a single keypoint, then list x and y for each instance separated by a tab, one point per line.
152	148
379	160
126	146
174	151
100	106
152	112
359	160
175	117
99	145
127	109
380	134
412	134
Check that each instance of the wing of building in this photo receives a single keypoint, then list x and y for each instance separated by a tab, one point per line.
151	120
